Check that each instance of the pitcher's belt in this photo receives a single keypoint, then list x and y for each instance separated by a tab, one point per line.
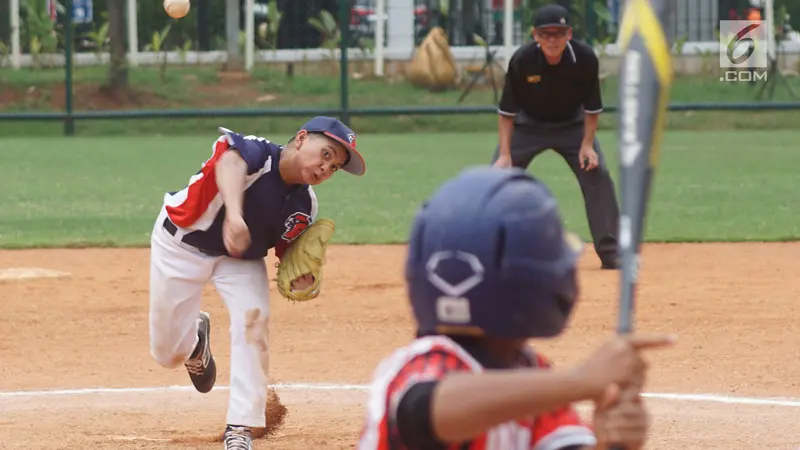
172	229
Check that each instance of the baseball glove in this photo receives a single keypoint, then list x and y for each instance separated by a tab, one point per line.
304	256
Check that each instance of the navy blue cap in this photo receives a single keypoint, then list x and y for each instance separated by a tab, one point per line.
335	129
552	16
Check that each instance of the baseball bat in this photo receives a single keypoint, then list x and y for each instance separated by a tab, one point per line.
645	79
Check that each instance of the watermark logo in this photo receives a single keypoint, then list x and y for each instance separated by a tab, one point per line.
743	50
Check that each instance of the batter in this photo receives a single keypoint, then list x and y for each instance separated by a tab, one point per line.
488	268
250	196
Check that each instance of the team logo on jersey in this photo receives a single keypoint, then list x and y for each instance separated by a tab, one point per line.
296	224
534	78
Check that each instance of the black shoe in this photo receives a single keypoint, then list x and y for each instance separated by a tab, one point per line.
238	438
201	366
611	264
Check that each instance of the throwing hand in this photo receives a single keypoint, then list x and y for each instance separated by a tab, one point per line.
235	235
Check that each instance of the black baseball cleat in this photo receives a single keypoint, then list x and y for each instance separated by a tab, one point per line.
611	264
201	366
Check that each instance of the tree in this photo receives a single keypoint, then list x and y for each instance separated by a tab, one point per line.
118	71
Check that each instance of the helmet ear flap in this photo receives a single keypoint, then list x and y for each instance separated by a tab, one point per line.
564	304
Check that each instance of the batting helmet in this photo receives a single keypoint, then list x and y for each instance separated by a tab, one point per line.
488	256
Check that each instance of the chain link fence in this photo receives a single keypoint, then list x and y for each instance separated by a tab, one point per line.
184	68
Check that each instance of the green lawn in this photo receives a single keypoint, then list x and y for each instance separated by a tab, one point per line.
710	186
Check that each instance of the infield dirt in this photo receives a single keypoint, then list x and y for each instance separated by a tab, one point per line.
733	306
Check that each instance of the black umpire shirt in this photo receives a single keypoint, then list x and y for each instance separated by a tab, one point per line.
552	94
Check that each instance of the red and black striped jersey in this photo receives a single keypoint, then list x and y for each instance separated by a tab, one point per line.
430	359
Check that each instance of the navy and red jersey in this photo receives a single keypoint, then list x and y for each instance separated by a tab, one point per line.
431	358
275	213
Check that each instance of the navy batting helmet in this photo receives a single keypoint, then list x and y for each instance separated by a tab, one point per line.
488	256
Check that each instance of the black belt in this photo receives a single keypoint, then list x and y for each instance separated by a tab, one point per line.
172	229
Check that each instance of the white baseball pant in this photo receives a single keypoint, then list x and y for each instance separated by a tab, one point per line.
178	274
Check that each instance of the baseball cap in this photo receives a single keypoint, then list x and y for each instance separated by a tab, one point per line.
552	16
335	129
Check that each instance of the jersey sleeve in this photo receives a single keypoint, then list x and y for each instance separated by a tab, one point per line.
410	395
300	211
561	429
593	101
254	150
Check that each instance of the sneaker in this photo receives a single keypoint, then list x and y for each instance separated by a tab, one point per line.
611	264
201	366
238	438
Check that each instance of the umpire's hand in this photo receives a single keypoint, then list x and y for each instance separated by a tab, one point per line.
587	158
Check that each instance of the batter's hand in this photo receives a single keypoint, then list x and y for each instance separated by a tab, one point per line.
620	419
235	235
588	158
619	361
503	161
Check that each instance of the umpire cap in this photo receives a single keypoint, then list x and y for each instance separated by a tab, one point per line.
488	256
552	16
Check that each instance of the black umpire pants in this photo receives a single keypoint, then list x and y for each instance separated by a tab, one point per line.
602	210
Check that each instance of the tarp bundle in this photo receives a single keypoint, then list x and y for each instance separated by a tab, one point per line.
433	66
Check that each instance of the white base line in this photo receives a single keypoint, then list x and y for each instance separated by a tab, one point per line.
704	398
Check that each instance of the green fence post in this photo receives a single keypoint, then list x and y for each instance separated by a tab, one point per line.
344	42
69	123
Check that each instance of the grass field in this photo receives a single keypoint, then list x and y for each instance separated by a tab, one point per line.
711	186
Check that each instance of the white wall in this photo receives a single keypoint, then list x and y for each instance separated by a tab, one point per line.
400	26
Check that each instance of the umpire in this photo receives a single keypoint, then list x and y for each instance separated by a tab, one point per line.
551	100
